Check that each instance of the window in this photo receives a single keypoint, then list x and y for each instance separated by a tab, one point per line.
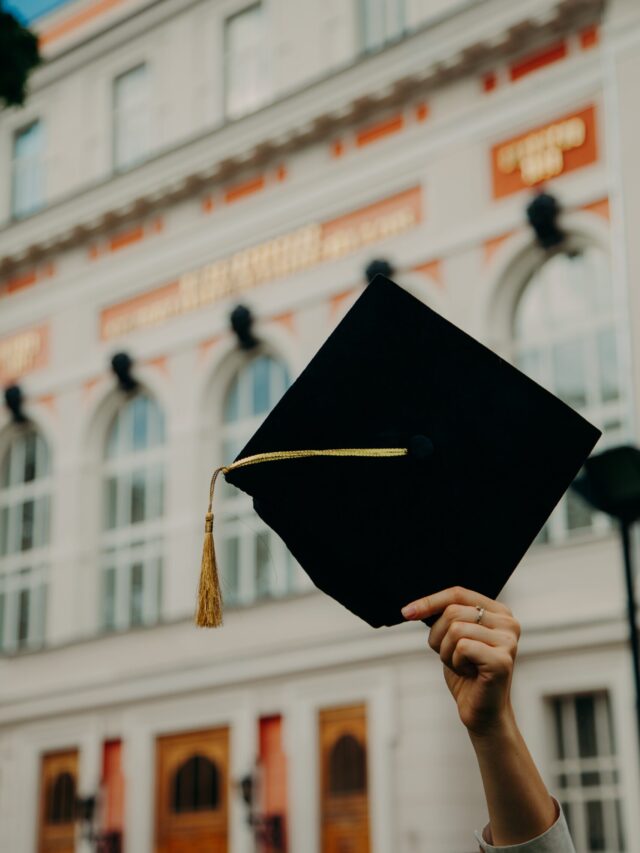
24	537
131	118
133	507
196	786
382	21
566	339
61	799
586	771
254	562
28	170
347	767
247	75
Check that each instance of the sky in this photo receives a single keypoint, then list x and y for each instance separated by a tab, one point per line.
29	10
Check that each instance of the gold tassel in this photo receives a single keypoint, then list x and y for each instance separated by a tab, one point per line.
209	611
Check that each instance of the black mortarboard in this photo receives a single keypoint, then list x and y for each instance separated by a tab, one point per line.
405	459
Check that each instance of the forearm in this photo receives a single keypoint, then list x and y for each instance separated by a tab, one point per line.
520	806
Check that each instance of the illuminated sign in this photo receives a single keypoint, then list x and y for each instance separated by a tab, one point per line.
282	256
544	153
23	352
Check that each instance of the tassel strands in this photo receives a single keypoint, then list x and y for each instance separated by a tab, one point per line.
209	610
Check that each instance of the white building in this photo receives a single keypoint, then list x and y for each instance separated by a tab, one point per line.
177	158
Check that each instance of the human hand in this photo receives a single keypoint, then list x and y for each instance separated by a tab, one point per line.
478	658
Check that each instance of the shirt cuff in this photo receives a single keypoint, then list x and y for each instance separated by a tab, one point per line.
555	840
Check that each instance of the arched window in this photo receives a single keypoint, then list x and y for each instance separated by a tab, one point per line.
196	786
25	487
566	339
347	767
61	797
133	507
255	563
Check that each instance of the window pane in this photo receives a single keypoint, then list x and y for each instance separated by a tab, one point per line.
595	825
586	719
608	364
261	385
27	514
231	407
135	601
4	530
579	514
569	373
140	412
231	568
29	472
109	598
248	82
262	564
111	503
28	170
131	117
138	496
557	717
23	616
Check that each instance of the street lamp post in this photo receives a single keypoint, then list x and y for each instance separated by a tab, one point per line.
610	482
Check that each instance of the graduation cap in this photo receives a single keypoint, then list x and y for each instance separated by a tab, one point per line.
405	459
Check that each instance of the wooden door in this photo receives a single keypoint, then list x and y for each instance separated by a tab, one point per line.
343	763
192	772
58	779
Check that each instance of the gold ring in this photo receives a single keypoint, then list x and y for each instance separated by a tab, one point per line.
480	613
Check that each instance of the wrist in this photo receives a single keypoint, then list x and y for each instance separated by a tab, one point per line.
499	729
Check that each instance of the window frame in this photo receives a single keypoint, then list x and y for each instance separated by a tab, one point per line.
557	530
576	766
390	35
119	165
266	96
127	544
24	572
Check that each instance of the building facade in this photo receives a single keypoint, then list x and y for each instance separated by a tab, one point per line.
176	159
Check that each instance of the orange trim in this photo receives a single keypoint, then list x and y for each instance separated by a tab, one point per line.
600	208
21	282
72	23
422	112
590	37
281	172
245	189
94	252
157	226
126	238
490	81
89	385
205	347
48	401
491	246
536	61
160	363
433	270
379	130
337	148
49	270
336	302
207	204
286	320
160	303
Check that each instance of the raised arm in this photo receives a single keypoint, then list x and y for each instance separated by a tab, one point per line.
477	640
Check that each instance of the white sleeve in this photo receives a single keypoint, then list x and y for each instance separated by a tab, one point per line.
555	840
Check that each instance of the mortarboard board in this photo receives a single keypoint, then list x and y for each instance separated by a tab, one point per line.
406	458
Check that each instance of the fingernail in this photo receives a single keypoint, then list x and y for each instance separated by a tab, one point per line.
409	611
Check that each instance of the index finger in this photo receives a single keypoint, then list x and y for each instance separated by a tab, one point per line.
432	605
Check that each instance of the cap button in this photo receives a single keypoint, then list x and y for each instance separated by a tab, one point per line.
420	447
